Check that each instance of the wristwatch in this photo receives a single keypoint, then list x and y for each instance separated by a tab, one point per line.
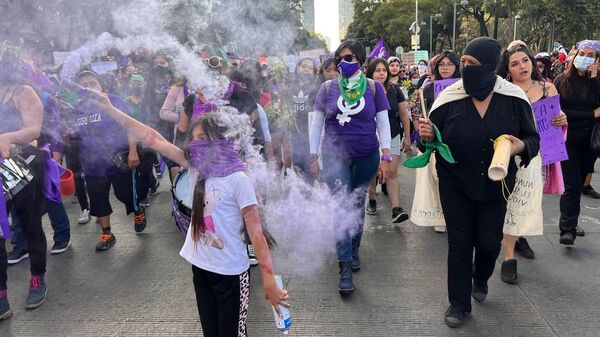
386	157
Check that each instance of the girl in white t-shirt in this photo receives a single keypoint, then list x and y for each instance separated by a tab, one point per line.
224	205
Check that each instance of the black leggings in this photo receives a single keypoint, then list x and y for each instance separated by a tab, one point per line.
222	302
28	205
145	173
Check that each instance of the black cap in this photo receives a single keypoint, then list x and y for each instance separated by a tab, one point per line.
485	49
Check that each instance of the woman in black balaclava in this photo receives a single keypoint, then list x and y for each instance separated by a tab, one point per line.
468	115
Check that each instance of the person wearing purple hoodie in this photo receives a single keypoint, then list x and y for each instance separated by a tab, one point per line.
108	155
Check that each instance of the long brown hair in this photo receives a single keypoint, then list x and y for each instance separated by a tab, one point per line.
213	131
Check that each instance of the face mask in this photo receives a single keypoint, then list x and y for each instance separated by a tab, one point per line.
415	82
347	69
136	91
582	63
478	81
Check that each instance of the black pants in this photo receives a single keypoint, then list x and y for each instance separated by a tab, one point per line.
28	205
470	224
145	173
99	189
74	164
580	163
222	302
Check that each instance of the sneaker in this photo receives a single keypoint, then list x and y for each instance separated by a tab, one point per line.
37	293
17	256
567	239
84	217
106	241
399	215
5	310
439	229
60	247
139	219
522	247
355	259
579	231
479	293
590	192
508	272
454	318
158	171
345	287
372	207
144	202
154	190
252	255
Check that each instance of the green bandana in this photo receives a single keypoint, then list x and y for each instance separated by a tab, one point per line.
352	92
423	159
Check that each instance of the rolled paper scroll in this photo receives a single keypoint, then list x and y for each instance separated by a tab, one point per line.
499	167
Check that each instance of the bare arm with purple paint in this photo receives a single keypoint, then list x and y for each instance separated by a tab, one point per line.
145	134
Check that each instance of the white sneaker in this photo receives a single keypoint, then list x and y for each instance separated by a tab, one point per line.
84	217
252	255
439	229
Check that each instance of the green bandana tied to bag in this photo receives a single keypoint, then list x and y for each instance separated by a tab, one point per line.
352	90
423	159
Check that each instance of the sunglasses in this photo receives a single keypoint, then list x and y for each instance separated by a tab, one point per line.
347	58
213	62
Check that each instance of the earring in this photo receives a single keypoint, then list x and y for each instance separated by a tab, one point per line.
508	77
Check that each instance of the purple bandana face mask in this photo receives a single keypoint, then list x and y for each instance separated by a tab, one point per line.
217	158
347	69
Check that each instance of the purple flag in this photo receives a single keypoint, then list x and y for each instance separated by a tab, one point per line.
440	85
380	50
552	141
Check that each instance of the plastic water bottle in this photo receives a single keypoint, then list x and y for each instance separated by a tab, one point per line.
284	323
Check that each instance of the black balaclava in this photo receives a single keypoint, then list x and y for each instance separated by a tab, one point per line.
479	81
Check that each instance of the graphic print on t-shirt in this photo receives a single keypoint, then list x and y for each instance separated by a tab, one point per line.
348	110
210	237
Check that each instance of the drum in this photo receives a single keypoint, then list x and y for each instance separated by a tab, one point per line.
183	192
15	174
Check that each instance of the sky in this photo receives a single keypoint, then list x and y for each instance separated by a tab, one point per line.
326	21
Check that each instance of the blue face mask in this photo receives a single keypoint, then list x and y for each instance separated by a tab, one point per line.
347	69
582	63
415	82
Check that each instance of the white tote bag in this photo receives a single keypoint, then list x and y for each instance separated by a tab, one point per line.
524	216
426	207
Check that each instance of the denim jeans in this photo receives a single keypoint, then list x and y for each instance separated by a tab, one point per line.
58	218
353	176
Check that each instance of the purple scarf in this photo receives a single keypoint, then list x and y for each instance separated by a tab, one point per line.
5	232
202	108
217	158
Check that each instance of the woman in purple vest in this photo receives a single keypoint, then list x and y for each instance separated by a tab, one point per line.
353	110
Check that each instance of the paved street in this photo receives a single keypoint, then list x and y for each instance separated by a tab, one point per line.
141	287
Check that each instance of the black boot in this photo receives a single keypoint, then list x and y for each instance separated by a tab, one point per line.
355	259
346	287
509	272
522	247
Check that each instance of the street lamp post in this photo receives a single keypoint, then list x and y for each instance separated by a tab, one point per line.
517	17
462	3
438	15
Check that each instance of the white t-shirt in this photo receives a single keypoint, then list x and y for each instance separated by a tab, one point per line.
221	249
